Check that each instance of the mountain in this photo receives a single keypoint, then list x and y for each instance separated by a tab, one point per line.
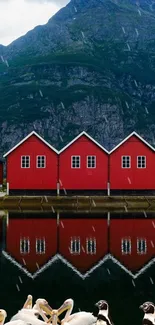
91	67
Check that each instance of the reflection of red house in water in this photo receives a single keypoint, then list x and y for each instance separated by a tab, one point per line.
31	242
132	241
83	242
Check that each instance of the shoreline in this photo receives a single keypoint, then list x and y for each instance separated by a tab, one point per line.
85	203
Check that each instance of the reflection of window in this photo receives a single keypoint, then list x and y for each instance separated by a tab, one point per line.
24	245
141	162
126	161
75	162
41	161
126	246
75	246
91	246
91	161
25	161
40	245
141	246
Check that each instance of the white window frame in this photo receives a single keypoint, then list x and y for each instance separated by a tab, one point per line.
77	242
143	252
22	159
44	161
38	243
72	162
91	161
129	162
91	243
141	162
25	241
125	241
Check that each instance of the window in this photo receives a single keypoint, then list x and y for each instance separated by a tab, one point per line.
126	246
41	161
91	246
24	245
91	161
141	246
75	161
25	161
40	245
126	161
75	246
141	162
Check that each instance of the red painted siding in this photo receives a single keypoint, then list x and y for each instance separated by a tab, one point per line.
132	229
83	177
132	178
31	229
83	229
33	177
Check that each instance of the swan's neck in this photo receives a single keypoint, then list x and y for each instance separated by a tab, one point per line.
54	321
69	311
2	322
41	313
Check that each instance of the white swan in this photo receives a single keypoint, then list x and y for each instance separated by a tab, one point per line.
3	316
79	318
30	315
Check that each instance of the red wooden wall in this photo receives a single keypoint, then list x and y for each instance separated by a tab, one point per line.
83	177
132	178
33	177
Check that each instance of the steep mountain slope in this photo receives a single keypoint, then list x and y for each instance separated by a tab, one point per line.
91	67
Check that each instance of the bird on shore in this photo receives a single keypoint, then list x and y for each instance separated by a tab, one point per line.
149	313
103	317
3	316
31	315
81	317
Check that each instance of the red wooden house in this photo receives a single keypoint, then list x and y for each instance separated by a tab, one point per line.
132	242
83	166
31	242
32	166
83	242
131	166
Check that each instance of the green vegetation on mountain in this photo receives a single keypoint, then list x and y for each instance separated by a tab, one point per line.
91	67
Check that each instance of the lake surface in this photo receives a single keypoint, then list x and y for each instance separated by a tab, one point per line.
79	255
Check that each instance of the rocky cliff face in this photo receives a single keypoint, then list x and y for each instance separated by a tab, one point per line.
91	67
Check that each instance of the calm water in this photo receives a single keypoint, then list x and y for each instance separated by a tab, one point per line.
84	256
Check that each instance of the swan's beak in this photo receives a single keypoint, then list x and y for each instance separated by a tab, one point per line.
54	318
28	303
2	317
63	308
47	309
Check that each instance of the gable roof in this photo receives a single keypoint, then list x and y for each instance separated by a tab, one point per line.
27	137
128	137
76	138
